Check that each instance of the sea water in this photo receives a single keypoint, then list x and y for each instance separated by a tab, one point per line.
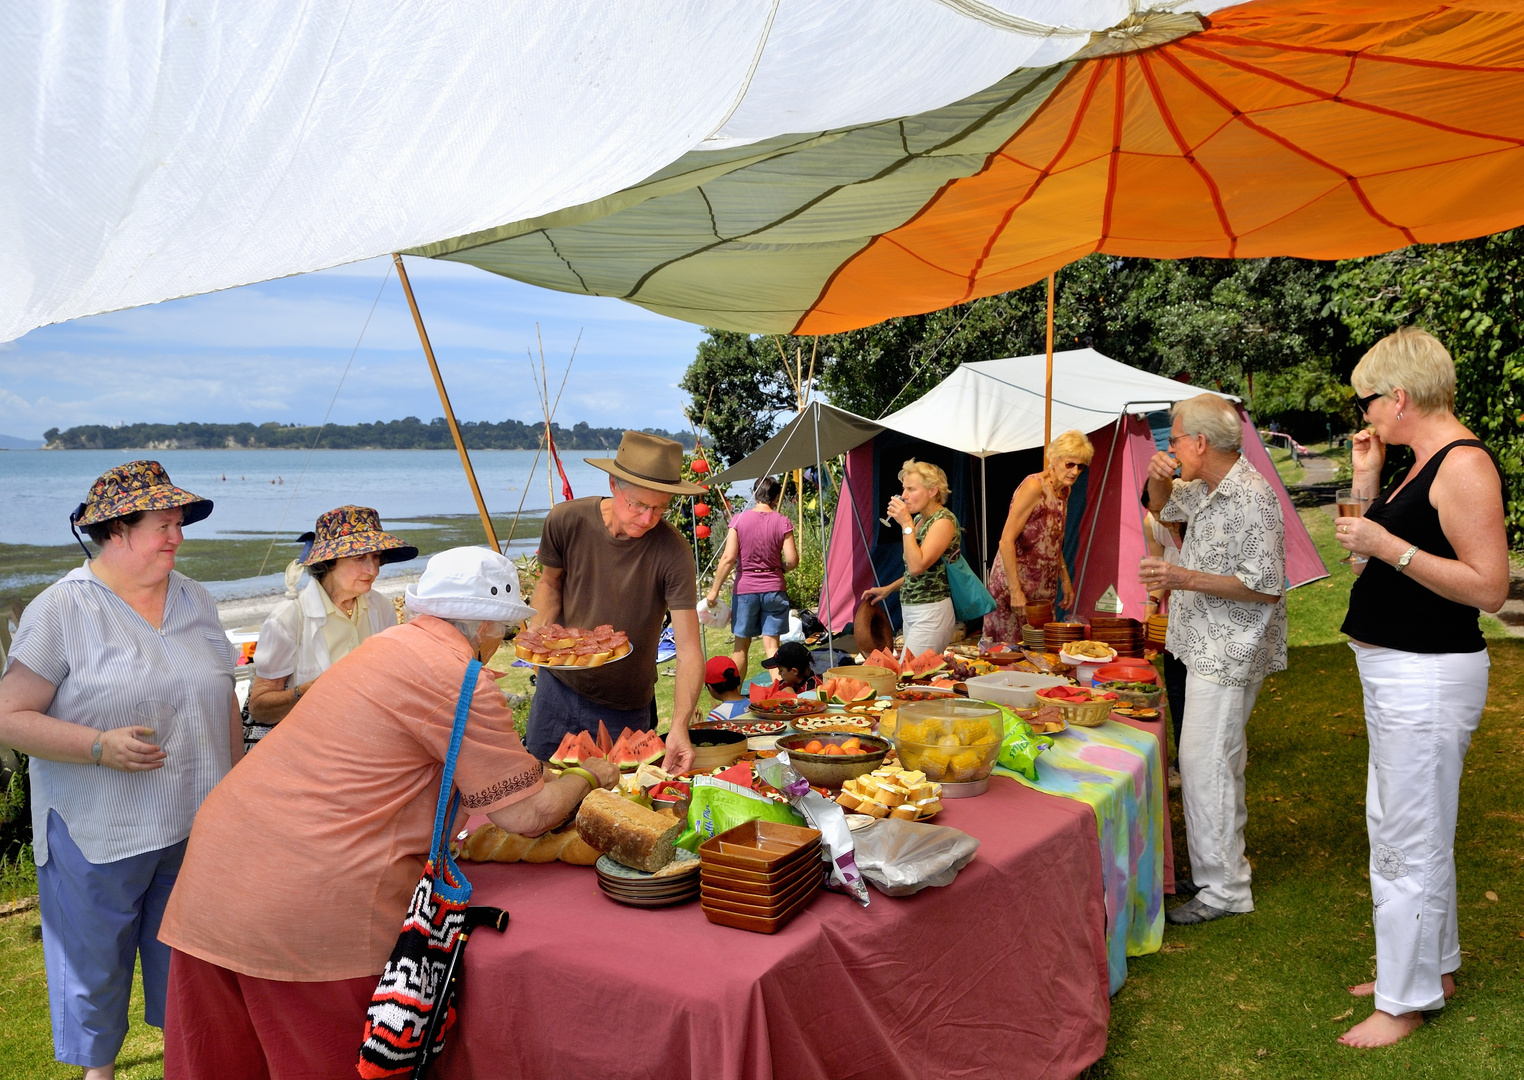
259	492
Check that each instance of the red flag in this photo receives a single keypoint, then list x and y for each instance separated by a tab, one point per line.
550	440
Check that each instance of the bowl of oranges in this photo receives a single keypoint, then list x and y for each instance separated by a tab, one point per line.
830	760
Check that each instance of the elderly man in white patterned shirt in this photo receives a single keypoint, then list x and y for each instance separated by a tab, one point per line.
1227	623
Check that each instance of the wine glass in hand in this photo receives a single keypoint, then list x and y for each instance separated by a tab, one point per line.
1351	505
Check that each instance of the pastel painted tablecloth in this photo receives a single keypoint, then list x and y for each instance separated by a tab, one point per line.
1117	771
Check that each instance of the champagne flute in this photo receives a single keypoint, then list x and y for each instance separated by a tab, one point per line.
1351	505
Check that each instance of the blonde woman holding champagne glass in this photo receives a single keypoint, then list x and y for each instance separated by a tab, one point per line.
1434	552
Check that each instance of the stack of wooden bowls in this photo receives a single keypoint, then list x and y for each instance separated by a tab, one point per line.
1126	636
1056	635
759	875
1153	636
1039	613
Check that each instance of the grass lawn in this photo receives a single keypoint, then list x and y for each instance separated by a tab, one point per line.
1259	995
1264	994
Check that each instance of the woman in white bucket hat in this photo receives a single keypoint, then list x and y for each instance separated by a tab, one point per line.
339	804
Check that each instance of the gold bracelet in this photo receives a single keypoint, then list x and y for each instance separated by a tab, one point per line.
577	771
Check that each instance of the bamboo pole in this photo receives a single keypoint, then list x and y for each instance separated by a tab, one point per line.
1047	399
444	399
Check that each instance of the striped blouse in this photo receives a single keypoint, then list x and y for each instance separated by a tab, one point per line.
104	658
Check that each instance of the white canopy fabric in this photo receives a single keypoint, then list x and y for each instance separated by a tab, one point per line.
161	149
996	406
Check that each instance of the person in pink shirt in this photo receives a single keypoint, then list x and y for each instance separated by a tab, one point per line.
761	544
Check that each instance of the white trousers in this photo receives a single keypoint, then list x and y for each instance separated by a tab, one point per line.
1214	750
1420	711
928	626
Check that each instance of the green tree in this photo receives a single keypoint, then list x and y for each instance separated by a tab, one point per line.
738	381
1470	295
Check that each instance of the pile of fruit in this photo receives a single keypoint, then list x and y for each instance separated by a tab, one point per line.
892	792
909	667
569	646
845	691
1075	695
630	751
850	748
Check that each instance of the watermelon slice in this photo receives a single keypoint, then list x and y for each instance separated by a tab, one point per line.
652	749
604	742
586	747
767	691
885	660
566	753
846	691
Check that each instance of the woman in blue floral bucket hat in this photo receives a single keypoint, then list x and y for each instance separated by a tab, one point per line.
331	615
119	688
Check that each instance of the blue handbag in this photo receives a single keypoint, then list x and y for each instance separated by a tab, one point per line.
971	600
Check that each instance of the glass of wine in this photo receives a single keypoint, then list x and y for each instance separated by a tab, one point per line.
1351	505
157	717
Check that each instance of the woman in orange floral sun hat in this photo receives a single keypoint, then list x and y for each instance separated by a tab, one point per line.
120	691
329	618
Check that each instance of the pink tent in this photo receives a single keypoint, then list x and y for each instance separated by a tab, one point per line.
1111	532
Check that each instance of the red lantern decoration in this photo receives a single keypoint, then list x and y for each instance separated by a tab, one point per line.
701	510
700	465
702	532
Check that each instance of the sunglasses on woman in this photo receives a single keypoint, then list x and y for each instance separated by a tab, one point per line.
1365	402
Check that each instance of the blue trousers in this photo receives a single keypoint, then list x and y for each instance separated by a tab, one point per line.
97	918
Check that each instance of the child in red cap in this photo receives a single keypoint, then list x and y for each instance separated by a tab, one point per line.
724	683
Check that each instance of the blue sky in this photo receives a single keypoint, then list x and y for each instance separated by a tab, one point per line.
276	351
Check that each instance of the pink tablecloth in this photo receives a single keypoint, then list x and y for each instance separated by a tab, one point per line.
1001	974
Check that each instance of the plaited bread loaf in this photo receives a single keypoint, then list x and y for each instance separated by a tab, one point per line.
626	831
490	843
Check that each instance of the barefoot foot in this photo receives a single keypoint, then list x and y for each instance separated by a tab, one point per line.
1367	989
1382	1029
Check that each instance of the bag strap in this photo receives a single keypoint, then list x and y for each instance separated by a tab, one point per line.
445	812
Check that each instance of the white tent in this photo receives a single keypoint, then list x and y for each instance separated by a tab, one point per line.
164	149
996	406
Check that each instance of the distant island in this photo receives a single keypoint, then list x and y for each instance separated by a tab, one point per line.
409	433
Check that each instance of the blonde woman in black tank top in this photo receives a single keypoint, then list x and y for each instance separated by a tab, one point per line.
1438	552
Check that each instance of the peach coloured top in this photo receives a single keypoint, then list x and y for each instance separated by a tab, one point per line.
302	861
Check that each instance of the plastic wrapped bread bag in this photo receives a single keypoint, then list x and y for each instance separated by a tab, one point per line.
825	815
904	857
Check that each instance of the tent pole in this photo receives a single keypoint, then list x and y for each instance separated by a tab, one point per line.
444	399
1047	399
825	549
984	518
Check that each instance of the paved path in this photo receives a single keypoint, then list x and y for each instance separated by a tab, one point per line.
1318	470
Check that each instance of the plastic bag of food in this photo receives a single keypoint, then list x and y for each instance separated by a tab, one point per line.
1021	746
718	805
904	857
825	815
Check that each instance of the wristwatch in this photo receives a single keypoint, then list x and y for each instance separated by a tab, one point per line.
1407	556
96	749
906	529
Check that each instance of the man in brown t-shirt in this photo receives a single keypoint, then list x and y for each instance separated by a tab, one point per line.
616	561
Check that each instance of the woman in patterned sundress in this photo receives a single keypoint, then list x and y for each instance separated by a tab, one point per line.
1031	564
930	531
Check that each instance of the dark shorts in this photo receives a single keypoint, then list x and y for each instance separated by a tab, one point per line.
558	710
757	613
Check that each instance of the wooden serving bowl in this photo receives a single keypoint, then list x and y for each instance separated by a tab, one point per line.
831	770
